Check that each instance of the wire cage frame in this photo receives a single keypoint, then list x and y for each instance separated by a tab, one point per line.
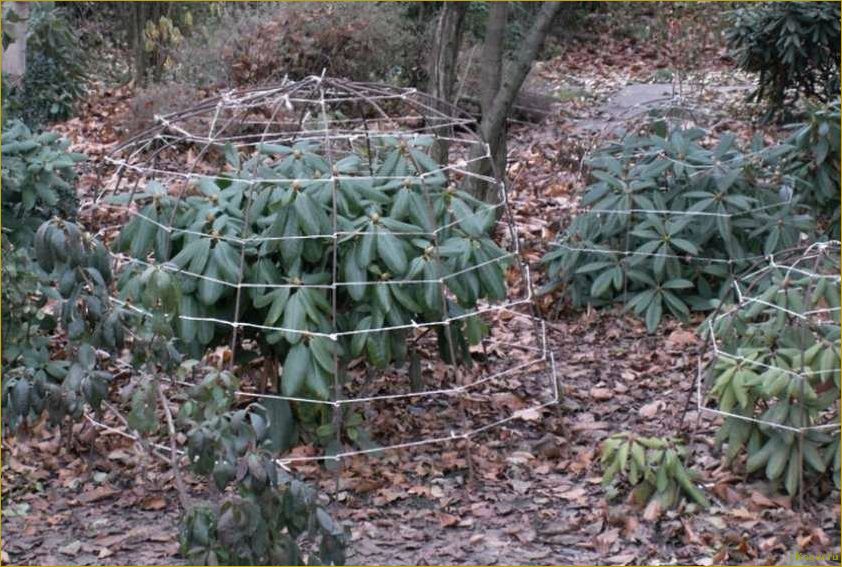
824	258
333	119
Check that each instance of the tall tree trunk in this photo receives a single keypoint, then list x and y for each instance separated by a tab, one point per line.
443	59
493	123
14	56
492	77
140	13
492	53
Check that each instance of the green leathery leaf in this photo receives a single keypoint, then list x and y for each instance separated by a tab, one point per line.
210	290
318	380
323	352
390	250
187	328
653	314
777	461
146	230
311	218
227	260
468	221
280	295
354	273
295	317
366	247
297	366
793	471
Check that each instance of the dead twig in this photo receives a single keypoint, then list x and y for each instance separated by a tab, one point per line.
176	469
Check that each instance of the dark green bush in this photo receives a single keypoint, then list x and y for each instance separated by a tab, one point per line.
38	175
814	164
779	363
77	276
262	522
386	237
55	73
671	222
794	46
37	183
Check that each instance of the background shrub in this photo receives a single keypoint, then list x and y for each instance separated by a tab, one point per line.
677	262
157	100
794	46
261	44
38	175
814	164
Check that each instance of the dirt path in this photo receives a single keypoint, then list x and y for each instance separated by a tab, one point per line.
636	100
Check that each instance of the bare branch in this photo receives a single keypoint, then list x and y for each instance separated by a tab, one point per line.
176	469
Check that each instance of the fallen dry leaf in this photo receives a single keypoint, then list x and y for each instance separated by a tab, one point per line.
448	520
651	409
652	511
97	494
681	338
71	548
153	503
601	393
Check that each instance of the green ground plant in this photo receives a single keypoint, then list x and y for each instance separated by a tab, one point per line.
778	362
652	467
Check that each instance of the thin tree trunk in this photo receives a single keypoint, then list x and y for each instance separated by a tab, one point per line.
493	123
492	53
139	16
443	59
14	56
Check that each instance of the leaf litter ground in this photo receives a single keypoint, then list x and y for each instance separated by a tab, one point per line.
97	498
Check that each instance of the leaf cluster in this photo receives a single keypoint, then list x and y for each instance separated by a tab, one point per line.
37	180
652	466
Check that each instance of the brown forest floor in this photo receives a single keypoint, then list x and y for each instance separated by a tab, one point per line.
536	497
